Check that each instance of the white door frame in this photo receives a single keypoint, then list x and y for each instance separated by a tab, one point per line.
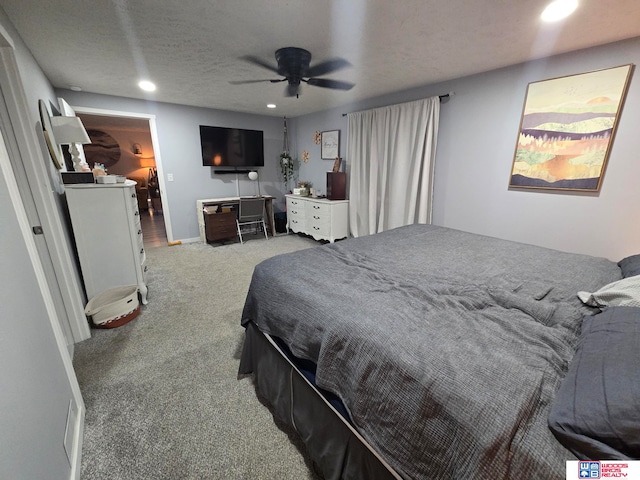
26	150
156	153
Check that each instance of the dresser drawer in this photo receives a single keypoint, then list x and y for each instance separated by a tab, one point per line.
295	209
222	233
319	228
295	203
138	230
221	219
316	209
134	198
295	224
296	214
318	218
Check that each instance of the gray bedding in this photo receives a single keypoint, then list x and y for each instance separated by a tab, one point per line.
446	347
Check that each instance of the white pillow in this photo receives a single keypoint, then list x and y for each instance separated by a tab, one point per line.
624	293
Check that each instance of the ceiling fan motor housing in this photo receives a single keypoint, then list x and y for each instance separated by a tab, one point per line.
293	63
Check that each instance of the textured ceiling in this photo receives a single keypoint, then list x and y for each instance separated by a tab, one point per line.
192	49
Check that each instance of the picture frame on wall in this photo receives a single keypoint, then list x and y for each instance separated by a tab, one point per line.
47	129
567	129
330	145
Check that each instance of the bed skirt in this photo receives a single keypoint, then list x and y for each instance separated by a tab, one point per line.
332	443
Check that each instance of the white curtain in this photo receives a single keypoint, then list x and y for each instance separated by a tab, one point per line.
391	151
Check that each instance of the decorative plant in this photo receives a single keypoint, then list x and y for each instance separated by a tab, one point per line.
287	163
286	167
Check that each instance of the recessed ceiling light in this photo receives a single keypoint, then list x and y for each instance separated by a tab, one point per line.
271	105
147	86
558	9
75	88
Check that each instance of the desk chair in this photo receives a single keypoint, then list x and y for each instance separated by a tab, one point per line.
251	212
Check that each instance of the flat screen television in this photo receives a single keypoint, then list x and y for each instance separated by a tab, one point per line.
231	148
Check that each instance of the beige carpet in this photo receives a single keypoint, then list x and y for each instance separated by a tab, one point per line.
162	394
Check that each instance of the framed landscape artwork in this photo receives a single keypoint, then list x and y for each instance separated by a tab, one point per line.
567	128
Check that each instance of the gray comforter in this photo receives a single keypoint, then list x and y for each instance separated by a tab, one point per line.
446	347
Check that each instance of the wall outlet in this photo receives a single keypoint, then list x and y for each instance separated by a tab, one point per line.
170	177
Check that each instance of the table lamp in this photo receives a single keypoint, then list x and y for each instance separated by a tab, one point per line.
253	176
70	131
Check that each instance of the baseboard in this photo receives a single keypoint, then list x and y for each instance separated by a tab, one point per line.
190	240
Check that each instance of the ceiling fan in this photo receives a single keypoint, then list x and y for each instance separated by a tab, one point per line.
293	65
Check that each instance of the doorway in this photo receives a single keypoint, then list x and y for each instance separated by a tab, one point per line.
125	145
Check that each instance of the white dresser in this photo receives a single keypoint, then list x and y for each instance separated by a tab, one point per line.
321	218
106	226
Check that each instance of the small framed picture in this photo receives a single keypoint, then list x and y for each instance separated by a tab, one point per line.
330	145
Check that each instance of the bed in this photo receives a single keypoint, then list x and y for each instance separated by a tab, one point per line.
426	352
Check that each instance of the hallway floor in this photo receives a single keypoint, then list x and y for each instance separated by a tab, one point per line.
153	229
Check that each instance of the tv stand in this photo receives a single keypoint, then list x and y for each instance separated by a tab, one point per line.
224	172
230	201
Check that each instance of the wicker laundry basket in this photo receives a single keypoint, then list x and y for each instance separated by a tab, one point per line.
114	307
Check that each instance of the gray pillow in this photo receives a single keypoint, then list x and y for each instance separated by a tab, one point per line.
596	411
630	266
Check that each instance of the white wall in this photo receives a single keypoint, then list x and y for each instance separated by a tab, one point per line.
478	134
476	144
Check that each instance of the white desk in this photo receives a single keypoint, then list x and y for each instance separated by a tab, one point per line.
200	204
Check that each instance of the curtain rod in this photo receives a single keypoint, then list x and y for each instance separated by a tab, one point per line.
442	97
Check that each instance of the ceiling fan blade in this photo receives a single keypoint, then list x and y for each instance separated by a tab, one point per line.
260	62
327	83
243	82
328	66
292	90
